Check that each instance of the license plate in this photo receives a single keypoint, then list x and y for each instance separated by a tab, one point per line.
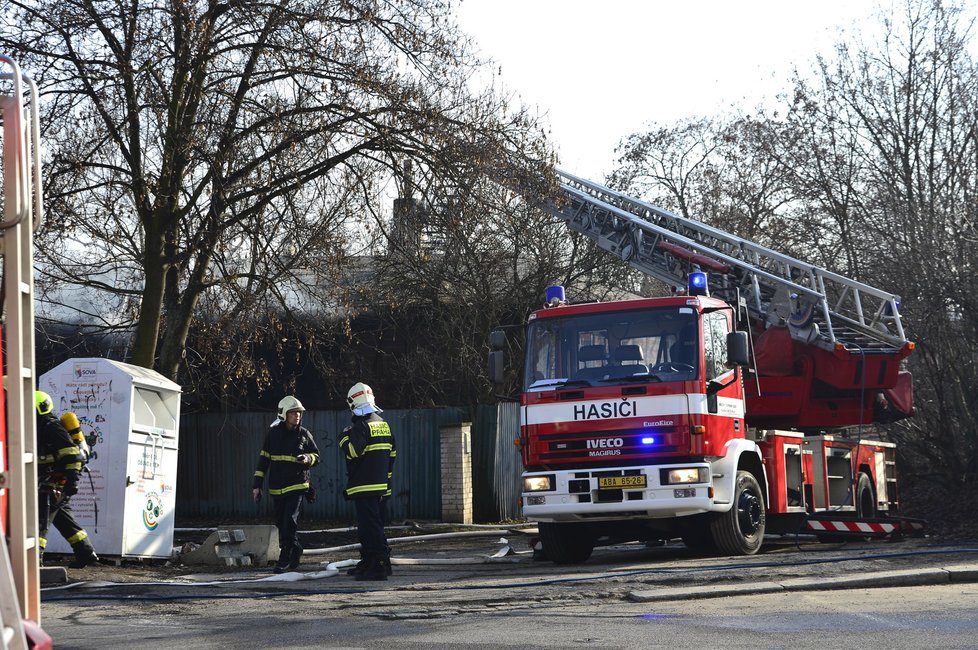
620	482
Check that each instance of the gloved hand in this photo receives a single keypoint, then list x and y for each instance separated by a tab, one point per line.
303	459
256	493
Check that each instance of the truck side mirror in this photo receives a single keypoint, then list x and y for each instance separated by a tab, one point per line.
496	366
737	352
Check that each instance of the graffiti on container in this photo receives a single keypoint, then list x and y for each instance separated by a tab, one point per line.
86	396
91	429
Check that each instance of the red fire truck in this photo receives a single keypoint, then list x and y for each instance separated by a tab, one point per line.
20	594
742	404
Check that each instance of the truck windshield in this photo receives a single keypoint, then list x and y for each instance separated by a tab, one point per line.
624	346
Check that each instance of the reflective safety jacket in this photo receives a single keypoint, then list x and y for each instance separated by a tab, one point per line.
278	459
59	459
370	453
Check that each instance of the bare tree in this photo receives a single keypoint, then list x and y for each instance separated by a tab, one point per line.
871	173
668	165
894	143
481	256
730	173
224	154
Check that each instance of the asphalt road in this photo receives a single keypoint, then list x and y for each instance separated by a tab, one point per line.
451	593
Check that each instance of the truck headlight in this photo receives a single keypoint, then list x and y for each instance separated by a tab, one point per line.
680	475
538	483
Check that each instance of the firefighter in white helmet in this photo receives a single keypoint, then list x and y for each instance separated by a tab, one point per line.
368	445
287	453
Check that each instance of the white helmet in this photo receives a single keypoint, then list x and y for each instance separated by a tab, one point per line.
289	403
360	395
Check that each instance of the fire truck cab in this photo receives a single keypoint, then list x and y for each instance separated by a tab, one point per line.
633	415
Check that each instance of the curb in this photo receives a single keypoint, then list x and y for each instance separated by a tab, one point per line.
963	573
53	575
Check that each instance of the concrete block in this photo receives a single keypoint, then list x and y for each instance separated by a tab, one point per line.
53	575
242	546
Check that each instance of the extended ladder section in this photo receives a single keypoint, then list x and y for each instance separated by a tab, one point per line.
22	214
819	307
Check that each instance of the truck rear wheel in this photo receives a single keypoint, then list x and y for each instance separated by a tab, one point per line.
566	543
740	530
865	499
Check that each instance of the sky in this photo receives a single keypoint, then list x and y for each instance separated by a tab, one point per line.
600	70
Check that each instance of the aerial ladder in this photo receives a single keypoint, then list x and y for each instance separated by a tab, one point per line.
20	603
844	339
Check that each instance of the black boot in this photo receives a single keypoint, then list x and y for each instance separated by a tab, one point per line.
296	556
352	571
284	559
83	560
375	569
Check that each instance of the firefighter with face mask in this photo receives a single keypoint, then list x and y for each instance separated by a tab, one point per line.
60	463
287	453
369	448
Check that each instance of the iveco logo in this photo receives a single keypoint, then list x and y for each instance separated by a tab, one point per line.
605	443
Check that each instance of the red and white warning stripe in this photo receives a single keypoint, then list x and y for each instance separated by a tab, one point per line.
842	526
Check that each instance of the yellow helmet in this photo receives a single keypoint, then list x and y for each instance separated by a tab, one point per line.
289	403
42	402
360	395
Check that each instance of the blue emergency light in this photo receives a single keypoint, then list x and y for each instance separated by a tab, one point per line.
696	282
555	295
648	440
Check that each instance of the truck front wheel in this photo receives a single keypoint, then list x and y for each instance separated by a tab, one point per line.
740	530
566	543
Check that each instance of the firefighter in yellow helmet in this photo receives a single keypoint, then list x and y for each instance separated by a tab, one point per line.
368	445
287	453
60	463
